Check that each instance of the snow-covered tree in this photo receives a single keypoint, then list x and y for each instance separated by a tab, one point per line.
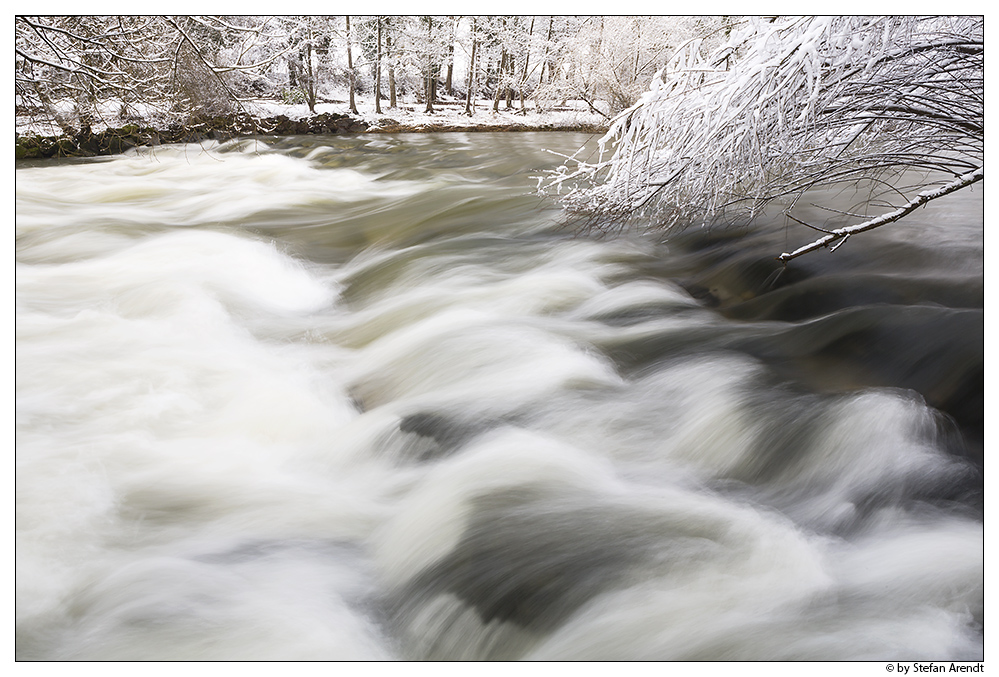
71	69
893	106
608	61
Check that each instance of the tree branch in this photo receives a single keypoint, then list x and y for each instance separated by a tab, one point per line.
920	200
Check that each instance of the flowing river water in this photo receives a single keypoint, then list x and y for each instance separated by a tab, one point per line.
362	398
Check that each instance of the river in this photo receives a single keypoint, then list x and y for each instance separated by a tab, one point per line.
352	398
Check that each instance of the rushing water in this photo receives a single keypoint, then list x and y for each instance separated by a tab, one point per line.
359	398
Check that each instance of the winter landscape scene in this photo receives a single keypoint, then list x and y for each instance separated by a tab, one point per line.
497	338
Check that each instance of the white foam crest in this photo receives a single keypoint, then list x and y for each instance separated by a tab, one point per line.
182	187
878	442
690	416
915	560
64	507
155	275
216	431
131	362
580	268
534	294
271	608
203	433
634	296
461	354
641	624
210	377
774	593
60	247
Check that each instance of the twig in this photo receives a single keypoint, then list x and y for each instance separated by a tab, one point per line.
918	201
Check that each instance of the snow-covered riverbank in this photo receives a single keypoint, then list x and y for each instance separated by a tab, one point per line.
409	115
117	130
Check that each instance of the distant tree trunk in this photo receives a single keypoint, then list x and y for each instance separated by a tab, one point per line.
310	79
470	85
450	72
591	80
450	61
86	102
378	69
508	90
500	82
527	60
350	70
638	50
391	62
510	73
431	83
54	110
321	48
545	63
548	43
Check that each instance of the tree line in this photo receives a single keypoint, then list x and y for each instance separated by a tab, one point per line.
75	70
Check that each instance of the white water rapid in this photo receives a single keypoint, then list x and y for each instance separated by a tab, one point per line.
357	398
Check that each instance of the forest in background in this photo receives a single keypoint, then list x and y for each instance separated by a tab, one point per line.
82	72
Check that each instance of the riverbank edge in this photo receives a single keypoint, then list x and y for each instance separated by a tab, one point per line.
112	141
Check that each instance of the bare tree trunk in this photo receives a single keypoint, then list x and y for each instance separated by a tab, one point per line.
527	60
638	50
470	84
310	84
321	48
86	102
450	72
431	83
52	109
510	73
450	59
391	65
545	63
500	82
590	79
378	69
350	70
508	90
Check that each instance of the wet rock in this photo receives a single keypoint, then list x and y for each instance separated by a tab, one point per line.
448	433
529	558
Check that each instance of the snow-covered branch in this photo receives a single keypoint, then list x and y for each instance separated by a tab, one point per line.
787	105
834	238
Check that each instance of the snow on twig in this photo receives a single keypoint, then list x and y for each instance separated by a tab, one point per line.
912	205
787	105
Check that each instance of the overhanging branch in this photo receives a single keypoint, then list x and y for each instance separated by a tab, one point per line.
918	201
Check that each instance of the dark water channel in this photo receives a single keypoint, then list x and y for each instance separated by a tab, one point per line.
362	398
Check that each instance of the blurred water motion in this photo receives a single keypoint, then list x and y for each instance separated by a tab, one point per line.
361	398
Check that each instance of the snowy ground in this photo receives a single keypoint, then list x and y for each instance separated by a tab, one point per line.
449	113
408	114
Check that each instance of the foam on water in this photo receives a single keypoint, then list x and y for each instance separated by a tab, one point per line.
480	444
